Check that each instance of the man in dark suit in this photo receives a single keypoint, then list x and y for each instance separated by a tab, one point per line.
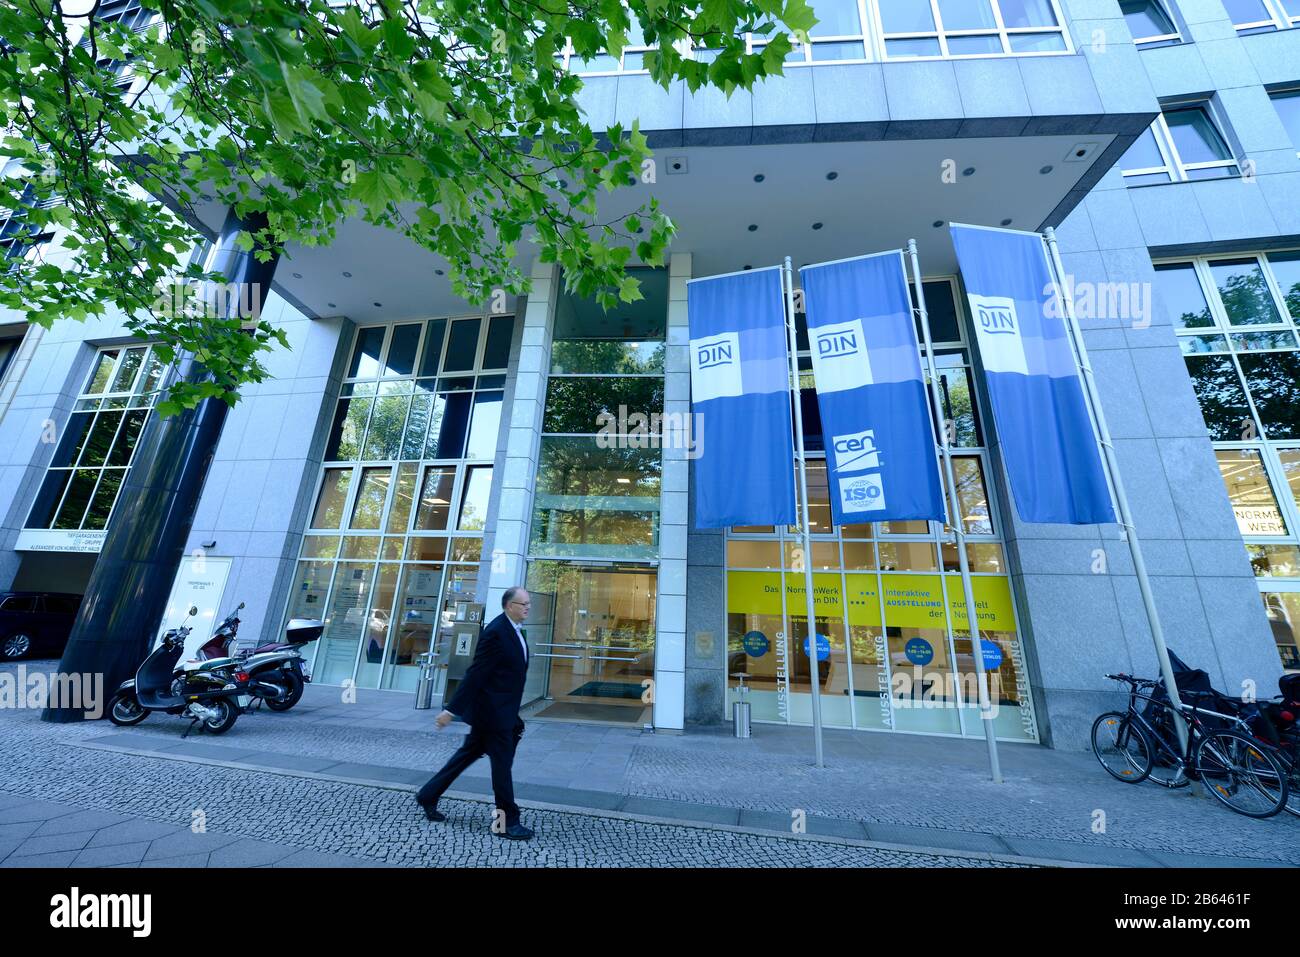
488	700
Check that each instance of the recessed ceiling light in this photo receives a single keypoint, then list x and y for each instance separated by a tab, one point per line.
1046	169
817	225
332	305
968	171
438	272
379	305
938	223
347	275
753	227
1006	222
747	266
759	177
832	175
297	275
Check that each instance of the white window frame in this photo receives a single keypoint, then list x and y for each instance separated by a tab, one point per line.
1277	19
1161	39
1174	165
1001	30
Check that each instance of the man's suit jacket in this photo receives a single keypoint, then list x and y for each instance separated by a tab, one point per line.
490	693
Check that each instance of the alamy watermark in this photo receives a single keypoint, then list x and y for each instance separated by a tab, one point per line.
1126	301
40	689
653	430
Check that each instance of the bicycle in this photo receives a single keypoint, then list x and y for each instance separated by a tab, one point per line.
1241	772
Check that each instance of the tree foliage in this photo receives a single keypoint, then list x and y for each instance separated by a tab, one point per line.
450	121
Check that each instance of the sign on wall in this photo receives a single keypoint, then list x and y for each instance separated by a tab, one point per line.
60	540
200	582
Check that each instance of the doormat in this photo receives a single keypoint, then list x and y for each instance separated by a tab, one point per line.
606	689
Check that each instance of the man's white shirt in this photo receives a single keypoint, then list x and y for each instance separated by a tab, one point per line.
523	643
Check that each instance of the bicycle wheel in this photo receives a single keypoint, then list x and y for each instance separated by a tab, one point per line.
1122	747
1241	773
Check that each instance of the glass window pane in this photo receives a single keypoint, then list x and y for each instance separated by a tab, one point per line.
1222	398
333	496
349	427
836	18
102	503
1288	109
1254	341
908	48
1195	137
384	437
908	557
1145	19
1246	11
474	500
401	350
1291	470
435	500
496	351
819	502
607	355
76	499
967	15
838	50
1027	13
430	359
1036	42
124	446
74	439
102	370
1274	561
601	63
462	345
1245	294
1253	502
1283	610
365	355
750	554
906	16
594	501
447	430
101	438
484	426
972	495
1144	153
973	46
584	405
127	370
153	374
1273	379
1178	287
47	500
403	497
1145	179
368	507
1286	271
1192	345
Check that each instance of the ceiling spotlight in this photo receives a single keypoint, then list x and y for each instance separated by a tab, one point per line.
759	177
817	225
968	171
347	275
747	266
379	305
1006	222
938	223
832	175
753	227
297	275
438	272
1046	169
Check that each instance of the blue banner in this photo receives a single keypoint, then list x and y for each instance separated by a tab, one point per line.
1044	428
880	443
740	390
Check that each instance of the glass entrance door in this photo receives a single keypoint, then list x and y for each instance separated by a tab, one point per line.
592	632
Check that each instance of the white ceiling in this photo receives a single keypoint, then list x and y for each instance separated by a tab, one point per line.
886	192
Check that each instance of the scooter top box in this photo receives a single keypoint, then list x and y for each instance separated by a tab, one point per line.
302	630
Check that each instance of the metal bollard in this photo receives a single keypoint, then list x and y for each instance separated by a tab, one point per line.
424	689
740	708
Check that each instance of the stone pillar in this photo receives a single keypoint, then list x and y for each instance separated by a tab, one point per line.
127	594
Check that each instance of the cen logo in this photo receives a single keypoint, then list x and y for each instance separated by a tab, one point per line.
856	452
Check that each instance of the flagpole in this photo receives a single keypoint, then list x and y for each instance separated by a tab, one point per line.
1121	499
958	525
814	670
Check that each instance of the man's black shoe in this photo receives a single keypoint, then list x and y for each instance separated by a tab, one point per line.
432	813
517	832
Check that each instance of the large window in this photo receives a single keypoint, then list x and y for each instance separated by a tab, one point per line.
1236	318
395	532
98	441
1287	104
895	651
1184	143
1150	23
856	30
1262	16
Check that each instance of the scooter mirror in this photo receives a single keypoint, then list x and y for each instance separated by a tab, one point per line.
241	607
194	609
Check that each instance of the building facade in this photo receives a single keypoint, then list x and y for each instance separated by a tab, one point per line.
411	450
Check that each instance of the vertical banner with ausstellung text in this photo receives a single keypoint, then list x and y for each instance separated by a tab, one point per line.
740	391
880	443
1045	432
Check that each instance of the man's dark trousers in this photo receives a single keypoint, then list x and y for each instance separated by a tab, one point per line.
499	746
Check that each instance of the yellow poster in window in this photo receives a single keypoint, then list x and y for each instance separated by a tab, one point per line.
916	601
759	593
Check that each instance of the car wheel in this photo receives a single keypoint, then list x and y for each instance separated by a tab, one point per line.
17	645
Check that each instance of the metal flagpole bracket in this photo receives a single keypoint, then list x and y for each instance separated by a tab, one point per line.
1121	499
801	453
955	522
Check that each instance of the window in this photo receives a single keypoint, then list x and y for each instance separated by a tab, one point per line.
1287	104
98	442
1182	144
961	28
1150	23
395	534
1236	319
1262	16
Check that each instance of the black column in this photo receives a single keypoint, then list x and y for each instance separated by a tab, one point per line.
127	594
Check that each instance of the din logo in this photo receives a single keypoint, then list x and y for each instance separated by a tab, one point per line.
834	345
998	320
712	354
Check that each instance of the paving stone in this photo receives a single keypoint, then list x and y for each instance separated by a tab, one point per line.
49	843
111	855
130	831
188	842
79	821
246	853
55	859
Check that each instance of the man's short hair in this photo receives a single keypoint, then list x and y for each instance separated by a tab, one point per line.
510	594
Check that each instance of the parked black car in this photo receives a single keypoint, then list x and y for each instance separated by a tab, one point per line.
35	624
